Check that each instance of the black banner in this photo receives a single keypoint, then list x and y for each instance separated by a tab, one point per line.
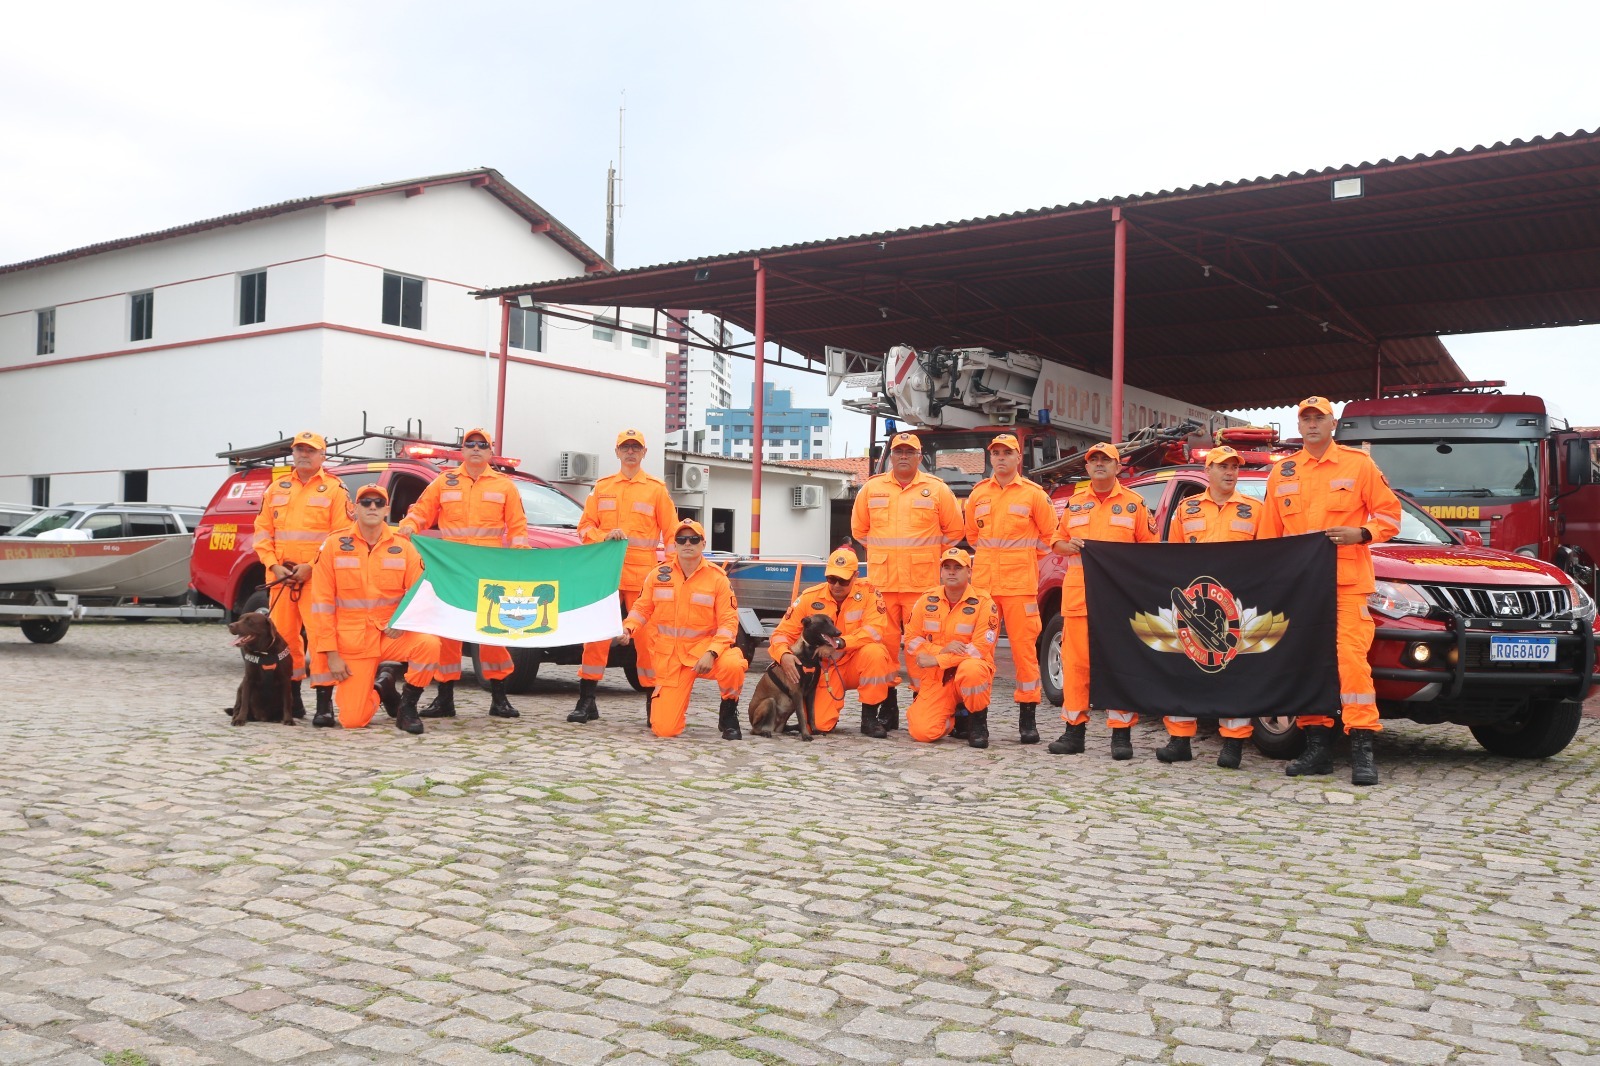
1233	630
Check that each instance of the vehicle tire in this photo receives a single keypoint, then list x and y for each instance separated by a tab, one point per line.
1050	659
477	669
524	670
1278	738
256	601
45	630
630	670
1542	729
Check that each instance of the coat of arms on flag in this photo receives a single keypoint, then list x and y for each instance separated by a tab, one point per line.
509	609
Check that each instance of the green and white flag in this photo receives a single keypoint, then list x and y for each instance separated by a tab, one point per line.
515	597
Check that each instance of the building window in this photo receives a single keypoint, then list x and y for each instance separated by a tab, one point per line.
527	330
402	301
142	316
41	491
603	329
252	298
46	342
135	486
638	341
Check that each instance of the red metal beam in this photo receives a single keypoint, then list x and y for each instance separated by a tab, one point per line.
500	393
758	406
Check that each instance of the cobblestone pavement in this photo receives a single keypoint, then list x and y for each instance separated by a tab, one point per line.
178	891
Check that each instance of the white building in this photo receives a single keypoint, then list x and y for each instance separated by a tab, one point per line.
796	503
126	366
697	380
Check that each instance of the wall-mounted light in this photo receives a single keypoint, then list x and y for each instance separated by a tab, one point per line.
525	301
1348	189
1205	271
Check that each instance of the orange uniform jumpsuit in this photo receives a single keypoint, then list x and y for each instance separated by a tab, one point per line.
683	617
962	677
1010	529
864	663
641	508
355	587
486	511
1201	520
904	529
1343	488
296	517
1119	516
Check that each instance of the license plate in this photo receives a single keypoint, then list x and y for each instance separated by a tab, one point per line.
1522	649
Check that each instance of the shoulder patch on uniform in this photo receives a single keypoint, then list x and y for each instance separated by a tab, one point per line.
347	544
395	549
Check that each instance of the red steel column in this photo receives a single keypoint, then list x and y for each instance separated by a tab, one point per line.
758	409
500	398
1119	311
1377	372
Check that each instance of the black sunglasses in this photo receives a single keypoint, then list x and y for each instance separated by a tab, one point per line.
370	501
475	444
691	539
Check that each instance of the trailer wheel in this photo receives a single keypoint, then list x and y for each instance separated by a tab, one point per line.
1278	738
1542	729
524	670
45	630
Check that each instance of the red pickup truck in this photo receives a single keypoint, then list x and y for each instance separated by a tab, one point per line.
1443	603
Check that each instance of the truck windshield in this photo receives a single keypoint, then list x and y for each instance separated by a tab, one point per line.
1415	526
1503	469
547	506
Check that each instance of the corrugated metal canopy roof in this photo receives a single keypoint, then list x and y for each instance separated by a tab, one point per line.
1244	294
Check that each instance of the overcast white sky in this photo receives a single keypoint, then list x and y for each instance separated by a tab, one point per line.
754	124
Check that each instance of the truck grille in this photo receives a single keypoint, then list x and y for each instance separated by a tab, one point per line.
1497	602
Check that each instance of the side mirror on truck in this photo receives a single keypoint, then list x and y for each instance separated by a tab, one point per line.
1579	471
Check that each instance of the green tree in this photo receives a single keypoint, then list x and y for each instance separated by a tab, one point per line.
546	595
494	594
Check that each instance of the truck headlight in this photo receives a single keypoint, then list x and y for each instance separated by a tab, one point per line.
1395	599
1582	604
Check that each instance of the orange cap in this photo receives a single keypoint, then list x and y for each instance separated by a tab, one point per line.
1317	403
957	555
478	431
1007	440
1105	449
633	435
1220	454
905	440
843	563
373	490
316	440
690	524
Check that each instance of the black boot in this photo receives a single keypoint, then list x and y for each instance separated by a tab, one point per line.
1027	727
405	716
1232	753
585	711
649	698
728	719
1122	744
324	715
299	702
1317	759
1363	767
1069	743
889	713
386	684
870	725
963	727
1177	750
443	704
499	706
977	729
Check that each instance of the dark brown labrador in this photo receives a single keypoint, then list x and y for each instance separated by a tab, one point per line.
774	702
265	694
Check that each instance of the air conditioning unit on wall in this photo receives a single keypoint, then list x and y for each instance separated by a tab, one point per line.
807	497
579	466
692	478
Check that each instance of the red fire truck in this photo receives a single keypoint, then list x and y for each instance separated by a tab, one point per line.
1476	459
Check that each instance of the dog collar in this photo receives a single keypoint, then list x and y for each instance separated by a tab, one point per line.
261	660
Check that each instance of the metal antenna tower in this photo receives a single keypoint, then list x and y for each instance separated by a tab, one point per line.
614	186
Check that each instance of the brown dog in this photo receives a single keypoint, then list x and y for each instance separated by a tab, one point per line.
265	694
774	701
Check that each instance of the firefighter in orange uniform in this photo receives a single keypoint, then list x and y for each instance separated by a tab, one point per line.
473	504
1011	525
629	505
1339	492
298	512
905	518
864	664
359	579
690	617
950	644
1218	515
1099	509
